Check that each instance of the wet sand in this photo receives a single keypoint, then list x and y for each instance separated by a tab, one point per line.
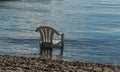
35	64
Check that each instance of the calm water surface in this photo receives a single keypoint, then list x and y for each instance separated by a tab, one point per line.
91	27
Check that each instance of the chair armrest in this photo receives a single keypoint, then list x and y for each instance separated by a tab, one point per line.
62	36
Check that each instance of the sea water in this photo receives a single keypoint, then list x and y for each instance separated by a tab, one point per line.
91	28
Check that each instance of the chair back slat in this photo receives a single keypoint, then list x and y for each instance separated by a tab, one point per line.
41	34
46	33
51	36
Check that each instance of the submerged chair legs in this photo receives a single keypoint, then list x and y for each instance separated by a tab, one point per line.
46	52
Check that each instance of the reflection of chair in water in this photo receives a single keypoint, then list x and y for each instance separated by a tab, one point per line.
47	43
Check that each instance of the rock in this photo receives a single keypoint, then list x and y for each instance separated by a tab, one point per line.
34	64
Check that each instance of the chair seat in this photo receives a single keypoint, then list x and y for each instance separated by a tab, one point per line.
55	42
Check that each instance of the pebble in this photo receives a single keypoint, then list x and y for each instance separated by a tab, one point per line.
33	64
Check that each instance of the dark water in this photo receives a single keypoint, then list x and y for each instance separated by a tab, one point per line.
91	27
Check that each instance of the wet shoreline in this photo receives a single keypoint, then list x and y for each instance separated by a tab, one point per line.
35	64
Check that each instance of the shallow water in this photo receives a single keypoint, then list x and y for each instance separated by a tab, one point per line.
91	27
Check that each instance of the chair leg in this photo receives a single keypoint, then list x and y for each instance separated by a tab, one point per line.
62	44
62	49
50	53
41	50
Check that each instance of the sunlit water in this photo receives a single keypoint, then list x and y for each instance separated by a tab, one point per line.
91	27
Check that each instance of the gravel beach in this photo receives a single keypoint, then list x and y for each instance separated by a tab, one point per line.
35	64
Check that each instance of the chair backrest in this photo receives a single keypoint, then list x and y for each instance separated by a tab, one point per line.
46	33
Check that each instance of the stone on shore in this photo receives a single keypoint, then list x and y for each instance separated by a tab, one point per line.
35	64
